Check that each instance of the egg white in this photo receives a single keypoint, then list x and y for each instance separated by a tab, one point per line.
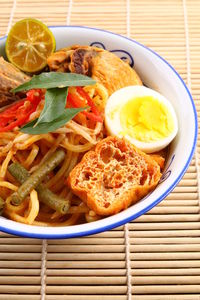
112	116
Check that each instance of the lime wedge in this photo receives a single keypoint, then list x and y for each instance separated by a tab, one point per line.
28	45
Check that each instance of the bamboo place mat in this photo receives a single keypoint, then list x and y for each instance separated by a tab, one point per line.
156	257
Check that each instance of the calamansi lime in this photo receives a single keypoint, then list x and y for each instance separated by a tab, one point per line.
28	45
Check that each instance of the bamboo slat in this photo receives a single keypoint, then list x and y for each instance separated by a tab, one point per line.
157	256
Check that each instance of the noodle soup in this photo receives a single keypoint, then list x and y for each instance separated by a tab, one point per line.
29	146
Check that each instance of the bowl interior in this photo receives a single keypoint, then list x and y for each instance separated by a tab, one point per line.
157	74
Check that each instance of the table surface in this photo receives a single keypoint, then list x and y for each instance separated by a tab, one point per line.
156	257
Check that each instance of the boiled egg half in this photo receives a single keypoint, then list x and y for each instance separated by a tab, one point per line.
142	116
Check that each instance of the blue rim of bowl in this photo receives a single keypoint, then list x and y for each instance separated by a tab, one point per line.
141	212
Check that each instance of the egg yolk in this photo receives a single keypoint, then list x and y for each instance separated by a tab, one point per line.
146	119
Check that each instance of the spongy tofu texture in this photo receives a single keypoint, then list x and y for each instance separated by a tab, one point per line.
113	176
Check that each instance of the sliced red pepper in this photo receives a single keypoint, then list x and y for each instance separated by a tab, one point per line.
85	95
19	113
77	102
35	94
93	117
9	126
11	111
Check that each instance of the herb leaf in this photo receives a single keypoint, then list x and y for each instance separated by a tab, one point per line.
49	80
55	102
46	127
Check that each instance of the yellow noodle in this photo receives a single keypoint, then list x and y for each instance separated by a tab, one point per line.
98	128
78	209
15	217
8	185
5	149
90	218
7	135
48	137
32	155
101	91
92	213
99	94
5	164
29	142
4	141
63	130
12	208
78	129
21	146
33	208
36	114
95	131
90	90
71	221
21	137
76	148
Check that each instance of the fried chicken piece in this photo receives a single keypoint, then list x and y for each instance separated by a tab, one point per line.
113	176
10	77
104	66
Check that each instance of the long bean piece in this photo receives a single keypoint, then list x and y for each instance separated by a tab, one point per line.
45	195
38	176
2	202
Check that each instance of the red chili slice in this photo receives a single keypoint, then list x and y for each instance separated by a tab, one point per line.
11	111
19	113
85	95
77	102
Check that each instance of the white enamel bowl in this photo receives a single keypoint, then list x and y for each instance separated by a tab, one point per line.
157	74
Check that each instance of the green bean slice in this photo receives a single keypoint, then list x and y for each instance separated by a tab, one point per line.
37	177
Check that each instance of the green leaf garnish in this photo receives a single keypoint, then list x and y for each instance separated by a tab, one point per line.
41	128
54	114
55	102
55	80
